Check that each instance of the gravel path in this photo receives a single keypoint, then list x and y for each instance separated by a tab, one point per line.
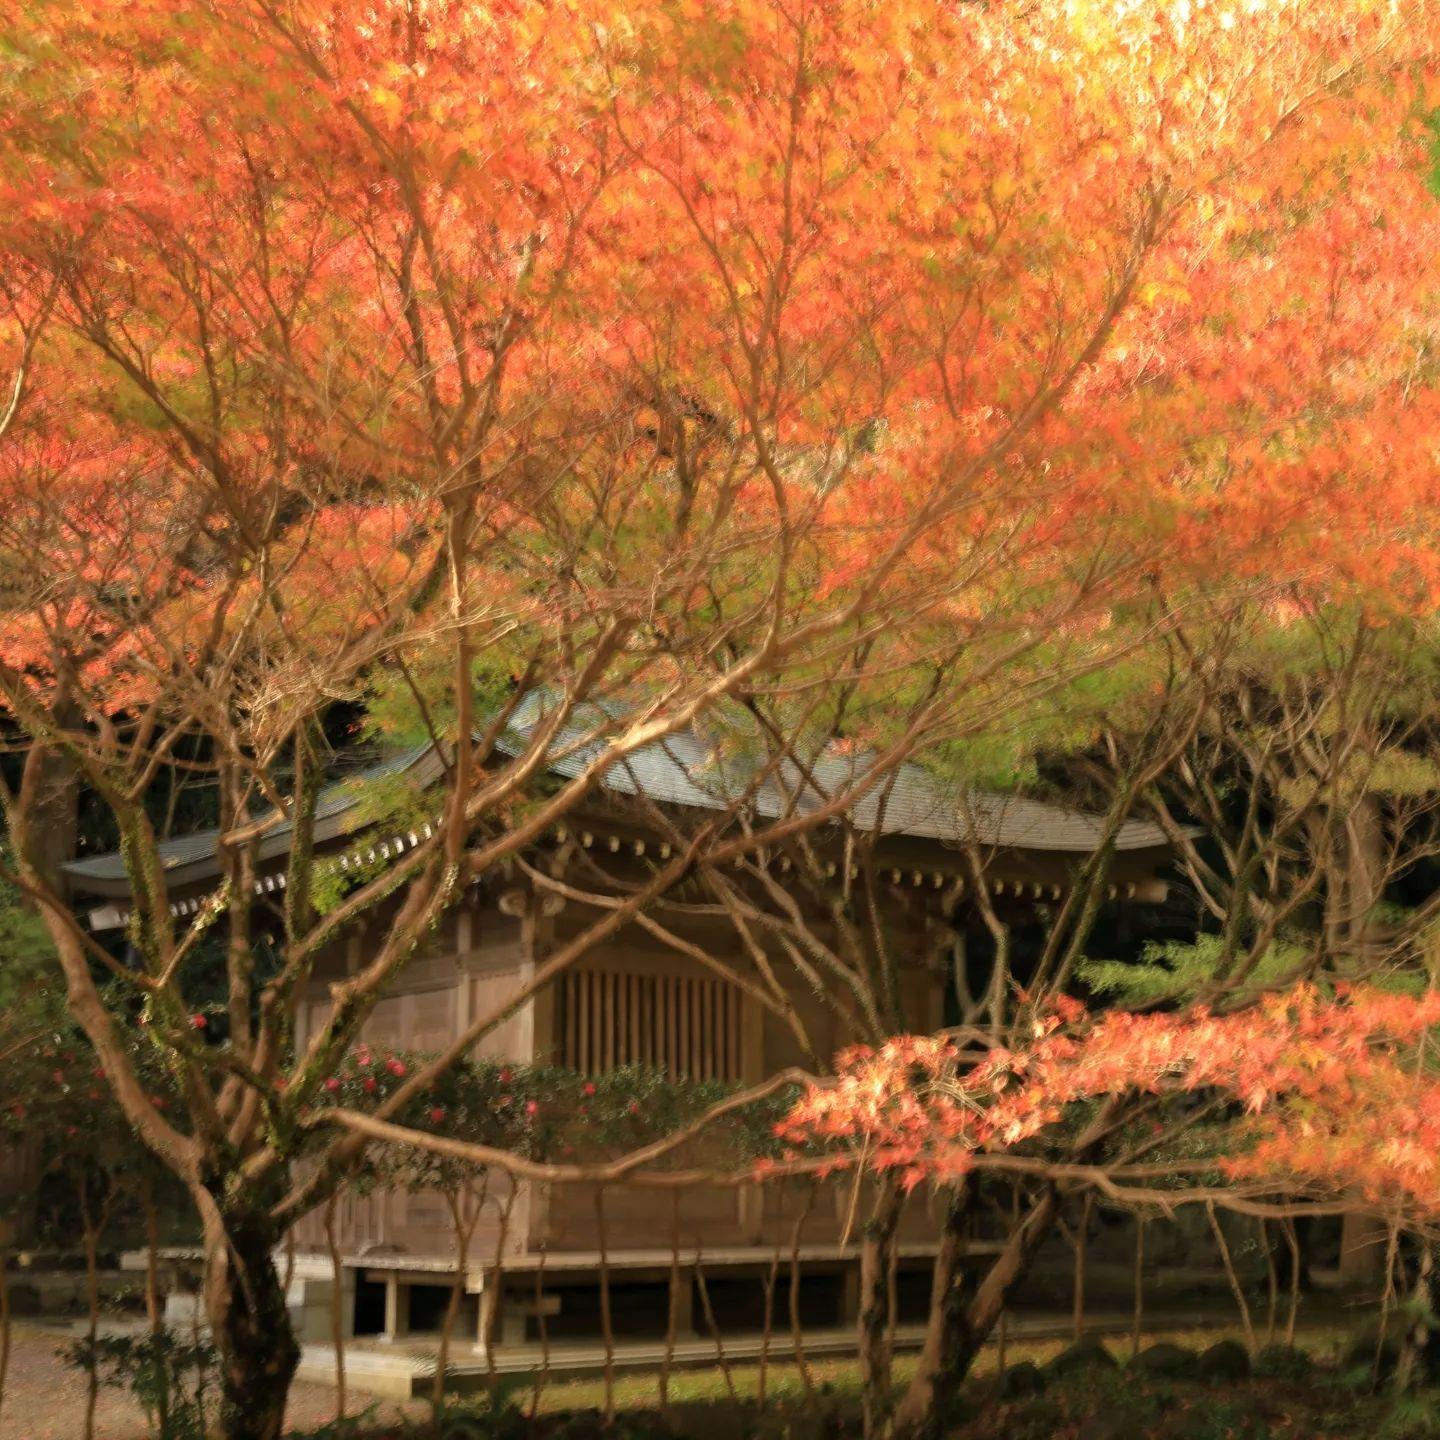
45	1399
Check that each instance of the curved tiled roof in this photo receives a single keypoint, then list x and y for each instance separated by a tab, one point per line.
334	815
687	771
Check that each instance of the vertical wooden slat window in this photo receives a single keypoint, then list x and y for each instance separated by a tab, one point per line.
685	1025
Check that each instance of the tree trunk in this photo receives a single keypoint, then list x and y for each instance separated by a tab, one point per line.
92	1307
876	1330
93	1220
607	1329
797	1331
1082	1239
947	1305
1292	1239
767	1328
1272	1283
1236	1288
1415	1348
53	825
703	1291
249	1324
672	1310
154	1311
455	1203
4	1320
957	1331
337	1303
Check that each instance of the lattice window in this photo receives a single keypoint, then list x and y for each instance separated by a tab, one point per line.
686	1026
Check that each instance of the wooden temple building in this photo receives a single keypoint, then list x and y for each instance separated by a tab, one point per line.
634	999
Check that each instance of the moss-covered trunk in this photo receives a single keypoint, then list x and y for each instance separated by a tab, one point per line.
251	1327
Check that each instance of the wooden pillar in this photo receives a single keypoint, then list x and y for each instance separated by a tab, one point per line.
397	1309
530	1221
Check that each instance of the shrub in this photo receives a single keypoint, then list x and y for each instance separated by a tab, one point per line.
169	1377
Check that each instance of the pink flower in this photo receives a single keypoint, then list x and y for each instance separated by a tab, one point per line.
587	1088
395	1067
332	1084
506	1076
532	1107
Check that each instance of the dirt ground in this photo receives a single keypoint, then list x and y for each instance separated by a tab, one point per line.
45	1399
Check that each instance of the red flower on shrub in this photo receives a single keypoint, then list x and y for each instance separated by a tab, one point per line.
198	1022
369	1084
437	1116
332	1084
395	1067
587	1088
532	1107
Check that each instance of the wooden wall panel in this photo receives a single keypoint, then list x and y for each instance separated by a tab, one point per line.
689	1025
507	1041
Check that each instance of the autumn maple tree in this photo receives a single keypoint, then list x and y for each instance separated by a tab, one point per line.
486	361
1333	1096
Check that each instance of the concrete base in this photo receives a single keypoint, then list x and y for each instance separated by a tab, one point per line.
185	1313
308	1302
406	1370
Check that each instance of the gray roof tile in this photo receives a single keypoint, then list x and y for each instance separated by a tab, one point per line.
687	770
